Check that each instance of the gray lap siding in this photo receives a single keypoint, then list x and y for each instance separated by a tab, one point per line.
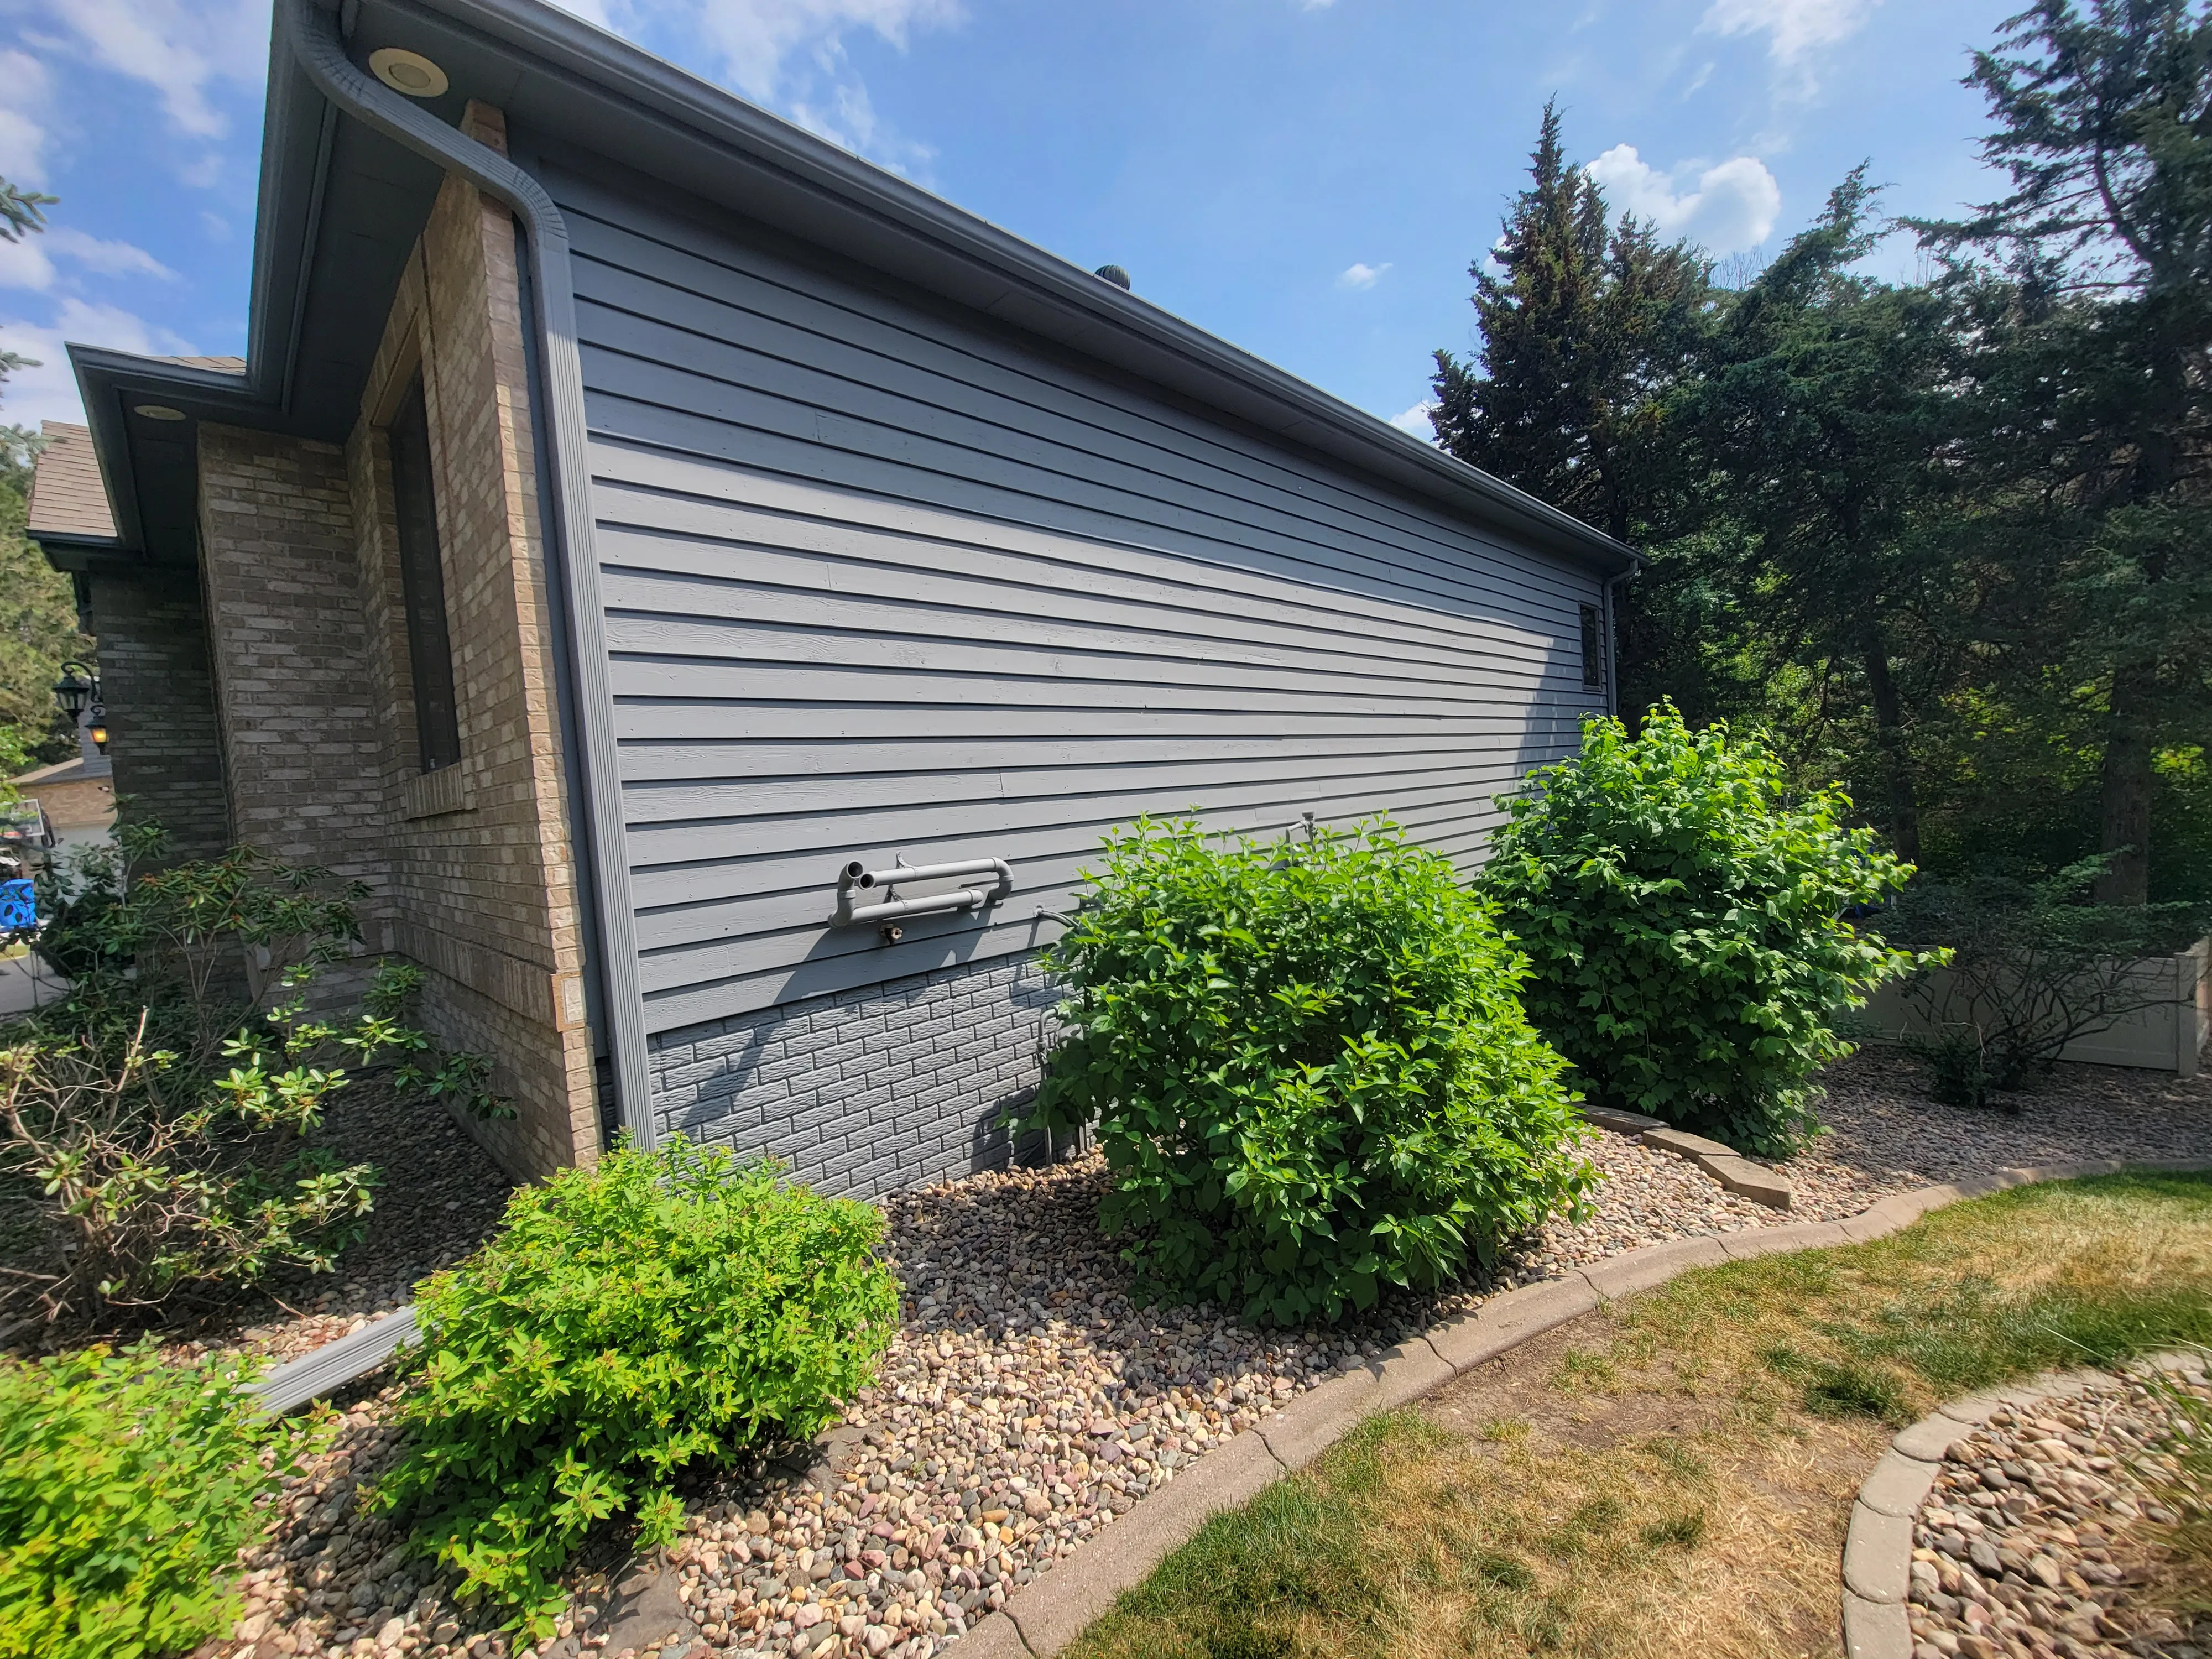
886	579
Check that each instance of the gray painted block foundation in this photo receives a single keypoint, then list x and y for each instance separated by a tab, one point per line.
892	1085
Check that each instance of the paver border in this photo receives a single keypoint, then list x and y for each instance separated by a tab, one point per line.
1045	1615
1878	1549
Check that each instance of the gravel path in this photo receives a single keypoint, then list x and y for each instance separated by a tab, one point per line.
2032	1538
1026	1402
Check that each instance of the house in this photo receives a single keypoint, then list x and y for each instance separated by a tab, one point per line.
76	798
632	513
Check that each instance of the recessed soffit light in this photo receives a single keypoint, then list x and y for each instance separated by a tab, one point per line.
410	72
158	412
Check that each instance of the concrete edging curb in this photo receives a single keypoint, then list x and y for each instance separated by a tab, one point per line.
1047	1613
1878	1549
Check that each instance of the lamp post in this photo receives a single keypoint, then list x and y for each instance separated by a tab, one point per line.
78	689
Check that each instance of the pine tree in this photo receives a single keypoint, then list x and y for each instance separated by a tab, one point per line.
2099	370
1585	324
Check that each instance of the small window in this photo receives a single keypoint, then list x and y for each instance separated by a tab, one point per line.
422	583
1593	649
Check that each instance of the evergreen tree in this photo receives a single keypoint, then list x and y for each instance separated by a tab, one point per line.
1584	325
2098	370
1826	415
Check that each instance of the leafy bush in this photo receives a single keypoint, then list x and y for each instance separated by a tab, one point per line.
1686	916
1308	1073
127	1486
161	1116
2032	967
664	1310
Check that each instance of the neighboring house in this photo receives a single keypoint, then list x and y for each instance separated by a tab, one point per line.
632	510
77	797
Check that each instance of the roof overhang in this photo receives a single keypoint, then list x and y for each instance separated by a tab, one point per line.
341	206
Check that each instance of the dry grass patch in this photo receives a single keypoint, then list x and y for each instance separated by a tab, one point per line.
1674	1475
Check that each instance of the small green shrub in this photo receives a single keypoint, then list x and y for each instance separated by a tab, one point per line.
1308	1073
127	1486
2032	966
664	1310
163	1113
1686	915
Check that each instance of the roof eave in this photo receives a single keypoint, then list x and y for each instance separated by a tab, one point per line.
1093	316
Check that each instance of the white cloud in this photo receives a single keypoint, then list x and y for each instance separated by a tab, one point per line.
849	120
24	264
788	55
754	39
24	93
1733	206
1361	276
1416	421
109	259
29	262
1796	29
48	392
184	49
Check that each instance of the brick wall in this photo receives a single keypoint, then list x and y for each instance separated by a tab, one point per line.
300	741
160	706
482	876
895	1085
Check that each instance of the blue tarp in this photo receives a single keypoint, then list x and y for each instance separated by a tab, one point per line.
19	908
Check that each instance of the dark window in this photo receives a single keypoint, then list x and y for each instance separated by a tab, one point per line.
422	582
1593	648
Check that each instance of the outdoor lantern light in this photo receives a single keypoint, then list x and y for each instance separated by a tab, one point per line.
77	687
98	730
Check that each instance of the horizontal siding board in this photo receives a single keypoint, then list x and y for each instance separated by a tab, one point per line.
807	446
928	756
641	724
808	937
880	581
756	858
643	360
619	244
694	803
689	503
672	641
973	693
807	588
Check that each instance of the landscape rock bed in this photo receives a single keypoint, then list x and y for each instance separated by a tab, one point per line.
1026	1401
2031	1541
1882	1127
439	1197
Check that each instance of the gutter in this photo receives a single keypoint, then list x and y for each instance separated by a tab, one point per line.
310	32
1612	614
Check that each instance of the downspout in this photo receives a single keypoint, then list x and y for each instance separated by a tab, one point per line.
1610	600
310	32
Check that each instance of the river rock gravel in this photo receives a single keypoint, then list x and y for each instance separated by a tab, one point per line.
2033	1540
1026	1403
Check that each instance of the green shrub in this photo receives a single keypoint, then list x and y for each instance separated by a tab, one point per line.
1308	1073
664	1310
163	1112
127	1486
1686	915
2032	966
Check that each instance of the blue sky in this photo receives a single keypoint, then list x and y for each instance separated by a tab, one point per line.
1309	179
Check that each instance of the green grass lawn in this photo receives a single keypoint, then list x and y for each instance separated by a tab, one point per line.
1674	1474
